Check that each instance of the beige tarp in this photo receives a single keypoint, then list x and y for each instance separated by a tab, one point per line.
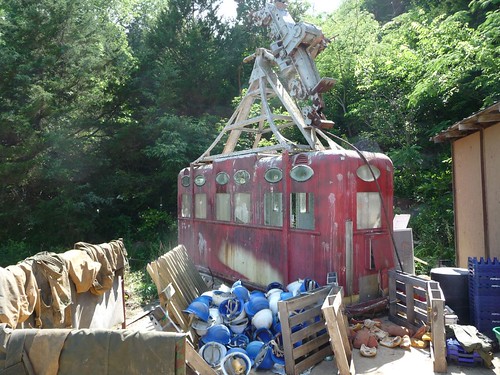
51	290
103	352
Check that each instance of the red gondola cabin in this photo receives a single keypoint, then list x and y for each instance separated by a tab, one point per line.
280	218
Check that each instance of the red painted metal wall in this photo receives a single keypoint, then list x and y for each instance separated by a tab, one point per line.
339	235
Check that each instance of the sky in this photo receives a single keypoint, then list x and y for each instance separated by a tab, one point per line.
319	6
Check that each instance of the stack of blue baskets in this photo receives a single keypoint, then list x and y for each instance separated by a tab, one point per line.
457	354
484	294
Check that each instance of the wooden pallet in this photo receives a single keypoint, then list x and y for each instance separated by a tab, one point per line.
178	282
305	339
337	325
413	302
408	299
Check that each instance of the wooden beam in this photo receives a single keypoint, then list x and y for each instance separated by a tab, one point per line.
338	330
438	350
469	127
488	117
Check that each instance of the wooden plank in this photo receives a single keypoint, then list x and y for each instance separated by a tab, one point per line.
308	331
286	333
178	280
299	318
244	110
402	309
392	293
410	306
404	278
193	272
314	345
196	362
161	284
343	324
309	346
178	302
337	329
405	306
178	273
437	326
174	268
312	360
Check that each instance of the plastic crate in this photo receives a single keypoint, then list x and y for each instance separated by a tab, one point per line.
486	326
456	353
496	331
484	293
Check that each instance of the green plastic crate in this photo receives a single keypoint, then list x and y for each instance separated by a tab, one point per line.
496	330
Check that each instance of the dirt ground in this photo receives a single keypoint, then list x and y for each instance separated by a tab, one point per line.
398	362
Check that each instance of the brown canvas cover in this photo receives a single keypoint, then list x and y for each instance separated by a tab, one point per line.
80	288
84	351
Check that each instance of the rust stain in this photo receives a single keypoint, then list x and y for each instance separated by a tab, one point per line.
245	263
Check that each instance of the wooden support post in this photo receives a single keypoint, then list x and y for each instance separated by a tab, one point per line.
438	349
337	329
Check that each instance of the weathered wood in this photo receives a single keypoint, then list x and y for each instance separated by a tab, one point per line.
196	363
311	339
312	360
175	270
438	348
406	310
405	306
337	328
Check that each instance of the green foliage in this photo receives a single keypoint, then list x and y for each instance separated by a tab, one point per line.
433	224
103	102
404	81
353	32
188	60
143	251
140	287
155	222
12	251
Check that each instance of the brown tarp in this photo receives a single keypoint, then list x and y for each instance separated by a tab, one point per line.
104	352
39	291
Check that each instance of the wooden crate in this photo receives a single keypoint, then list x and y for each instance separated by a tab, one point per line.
305	339
413	302
337	325
408	299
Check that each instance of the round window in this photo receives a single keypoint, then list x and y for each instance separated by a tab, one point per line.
273	175
365	174
301	173
199	180
241	177
222	178
185	181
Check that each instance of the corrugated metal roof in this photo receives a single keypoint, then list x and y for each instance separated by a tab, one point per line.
480	120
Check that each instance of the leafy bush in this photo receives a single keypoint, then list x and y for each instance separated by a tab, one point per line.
12	252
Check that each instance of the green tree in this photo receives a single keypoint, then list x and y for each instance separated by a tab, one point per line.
62	63
189	61
353	32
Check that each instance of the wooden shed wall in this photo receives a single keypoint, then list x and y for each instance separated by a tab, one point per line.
468	198
476	160
492	182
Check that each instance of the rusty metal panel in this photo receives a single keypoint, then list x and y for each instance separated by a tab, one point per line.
262	253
